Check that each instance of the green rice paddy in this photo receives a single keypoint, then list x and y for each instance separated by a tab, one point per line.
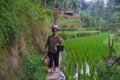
85	49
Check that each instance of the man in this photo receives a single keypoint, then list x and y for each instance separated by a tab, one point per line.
52	42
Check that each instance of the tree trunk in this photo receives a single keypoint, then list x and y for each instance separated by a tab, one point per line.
43	3
63	5
55	4
55	14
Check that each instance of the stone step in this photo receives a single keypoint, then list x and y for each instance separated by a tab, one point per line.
54	75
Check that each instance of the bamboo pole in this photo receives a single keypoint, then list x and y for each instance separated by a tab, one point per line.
109	46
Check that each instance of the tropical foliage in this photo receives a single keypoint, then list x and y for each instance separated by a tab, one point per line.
22	26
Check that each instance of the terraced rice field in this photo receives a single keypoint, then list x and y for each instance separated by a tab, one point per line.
90	49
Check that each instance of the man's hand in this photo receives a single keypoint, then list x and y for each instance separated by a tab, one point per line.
44	51
60	40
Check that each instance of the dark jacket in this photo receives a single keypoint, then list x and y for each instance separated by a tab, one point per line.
52	43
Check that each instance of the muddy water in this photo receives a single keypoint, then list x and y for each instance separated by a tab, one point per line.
62	75
87	70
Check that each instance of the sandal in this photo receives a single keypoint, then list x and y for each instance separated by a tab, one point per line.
50	70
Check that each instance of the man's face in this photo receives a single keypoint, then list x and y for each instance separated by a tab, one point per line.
54	31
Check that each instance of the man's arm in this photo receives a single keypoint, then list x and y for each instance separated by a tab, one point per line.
45	48
46	45
60	40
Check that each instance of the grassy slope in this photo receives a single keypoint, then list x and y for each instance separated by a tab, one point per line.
28	19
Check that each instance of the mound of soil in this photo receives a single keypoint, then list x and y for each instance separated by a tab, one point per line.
112	59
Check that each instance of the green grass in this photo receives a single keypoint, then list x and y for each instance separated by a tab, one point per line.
69	21
32	68
75	31
91	48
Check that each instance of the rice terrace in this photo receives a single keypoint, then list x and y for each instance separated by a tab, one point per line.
99	51
59	39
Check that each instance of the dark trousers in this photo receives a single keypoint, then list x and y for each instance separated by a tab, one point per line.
53	59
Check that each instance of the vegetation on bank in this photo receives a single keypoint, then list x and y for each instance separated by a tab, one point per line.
65	21
22	26
32	68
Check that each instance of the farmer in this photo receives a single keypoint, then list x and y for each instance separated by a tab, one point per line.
52	42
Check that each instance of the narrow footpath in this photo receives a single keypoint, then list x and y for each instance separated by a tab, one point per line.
55	75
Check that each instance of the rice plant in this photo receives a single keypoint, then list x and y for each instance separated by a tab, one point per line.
84	50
